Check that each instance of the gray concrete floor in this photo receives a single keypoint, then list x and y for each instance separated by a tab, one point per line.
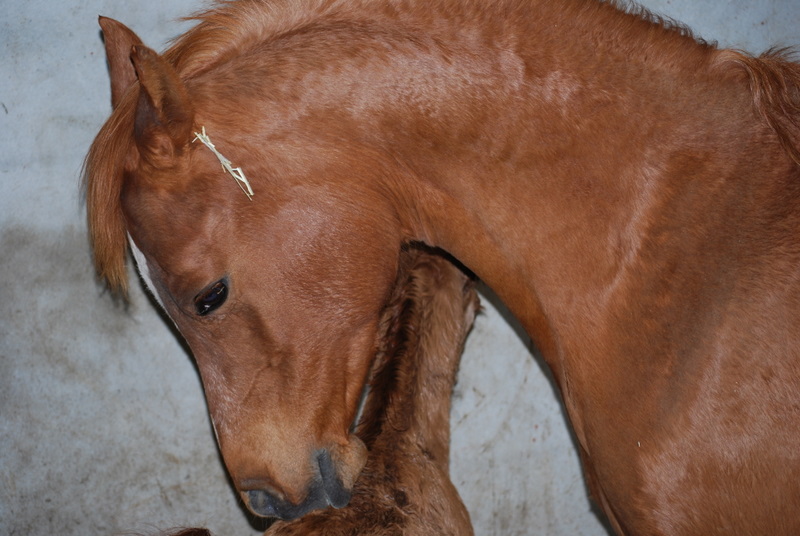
103	427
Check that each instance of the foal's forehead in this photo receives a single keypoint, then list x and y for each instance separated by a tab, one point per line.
171	225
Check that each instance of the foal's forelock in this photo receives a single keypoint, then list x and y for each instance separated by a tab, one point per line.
103	175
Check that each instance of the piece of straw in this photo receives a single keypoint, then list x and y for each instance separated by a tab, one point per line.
236	173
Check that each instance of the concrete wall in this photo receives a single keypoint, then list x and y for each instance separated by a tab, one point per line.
102	422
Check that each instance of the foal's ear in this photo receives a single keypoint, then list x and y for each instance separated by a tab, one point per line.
164	115
119	41
164	112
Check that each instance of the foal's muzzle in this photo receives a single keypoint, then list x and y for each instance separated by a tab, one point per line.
325	490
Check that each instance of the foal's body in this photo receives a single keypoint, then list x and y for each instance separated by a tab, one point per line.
630	193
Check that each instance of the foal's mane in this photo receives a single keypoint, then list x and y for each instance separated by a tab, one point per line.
775	84
664	22
233	27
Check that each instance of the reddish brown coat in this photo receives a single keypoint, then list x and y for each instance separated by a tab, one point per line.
632	195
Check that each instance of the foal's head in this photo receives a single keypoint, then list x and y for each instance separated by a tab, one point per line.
278	296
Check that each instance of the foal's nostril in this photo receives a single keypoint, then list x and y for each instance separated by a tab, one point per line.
263	503
326	489
338	496
266	504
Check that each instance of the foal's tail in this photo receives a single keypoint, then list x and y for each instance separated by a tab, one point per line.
775	84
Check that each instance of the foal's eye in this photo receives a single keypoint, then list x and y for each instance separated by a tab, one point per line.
211	298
